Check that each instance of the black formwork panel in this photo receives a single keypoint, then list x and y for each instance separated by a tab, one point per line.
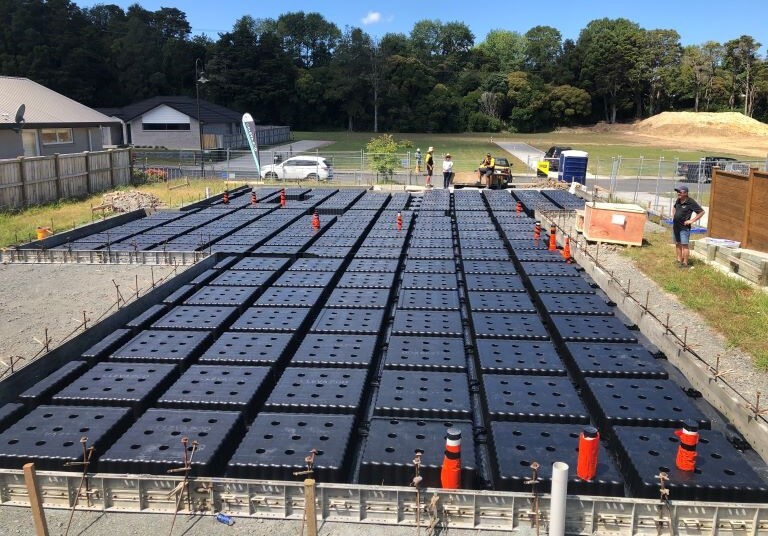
9	414
372	265
426	353
198	317
477	266
518	243
179	294
431	253
614	360
162	345
271	319
244	278
225	387
485	254
107	344
417	280
389	451
526	256
276	250
50	436
334	350
316	265
517	302
481	243
367	280
431	323
518	444
641	402
583	328
337	241
349	320
384	241
509	326
443	300
359	297
328	252
133	385
45	387
248	348
153	444
544	284
419	232
220	295
576	304
378	253
507	356
721	474
300	278
430	266
426	394
446	243
495	282
290	297
261	263
318	390
277	443
150	314
533	398
550	269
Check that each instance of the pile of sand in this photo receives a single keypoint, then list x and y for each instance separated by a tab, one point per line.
701	124
131	200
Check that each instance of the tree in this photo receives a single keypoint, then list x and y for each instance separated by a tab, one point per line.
664	53
382	152
741	62
505	50
569	104
308	38
543	47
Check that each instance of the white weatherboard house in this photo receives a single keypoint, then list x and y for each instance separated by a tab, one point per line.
49	123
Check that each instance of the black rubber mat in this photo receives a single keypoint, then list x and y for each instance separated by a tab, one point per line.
340	320
367	280
301	278
245	278
550	269
277	443
426	394
359	297
316	265
372	265
488	267
576	304
543	284
417	280
430	266
261	263
495	282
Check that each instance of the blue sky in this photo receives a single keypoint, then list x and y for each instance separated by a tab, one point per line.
695	21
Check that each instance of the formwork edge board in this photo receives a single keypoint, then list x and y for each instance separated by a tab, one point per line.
754	430
387	505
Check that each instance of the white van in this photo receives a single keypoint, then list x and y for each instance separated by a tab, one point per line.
300	167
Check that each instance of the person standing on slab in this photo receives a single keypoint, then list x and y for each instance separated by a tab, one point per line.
447	170
687	212
430	165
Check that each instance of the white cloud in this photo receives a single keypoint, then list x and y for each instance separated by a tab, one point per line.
371	18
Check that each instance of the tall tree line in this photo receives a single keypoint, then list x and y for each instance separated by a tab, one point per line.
301	69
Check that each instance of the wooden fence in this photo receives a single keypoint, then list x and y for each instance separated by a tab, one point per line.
739	208
43	179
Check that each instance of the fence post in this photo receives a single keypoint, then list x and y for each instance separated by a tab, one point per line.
87	172
111	169
23	180
57	180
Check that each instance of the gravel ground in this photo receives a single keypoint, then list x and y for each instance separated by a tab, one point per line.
33	297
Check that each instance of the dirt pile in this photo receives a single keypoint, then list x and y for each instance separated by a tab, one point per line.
131	200
701	124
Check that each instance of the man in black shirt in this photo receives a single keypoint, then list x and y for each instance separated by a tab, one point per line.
687	212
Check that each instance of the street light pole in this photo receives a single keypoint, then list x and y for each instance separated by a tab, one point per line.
200	79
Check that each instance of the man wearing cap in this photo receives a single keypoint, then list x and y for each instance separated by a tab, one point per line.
487	167
687	212
447	170
430	165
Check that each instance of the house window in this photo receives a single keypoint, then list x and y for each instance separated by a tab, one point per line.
163	127
56	136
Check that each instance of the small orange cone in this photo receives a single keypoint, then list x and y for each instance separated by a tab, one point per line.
686	451
315	221
254	199
589	444
552	238
567	250
399	221
450	475
226	197
537	231
282	197
519	207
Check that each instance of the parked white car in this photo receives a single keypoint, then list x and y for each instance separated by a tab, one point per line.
300	167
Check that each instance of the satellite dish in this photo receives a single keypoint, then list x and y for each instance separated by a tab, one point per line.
20	117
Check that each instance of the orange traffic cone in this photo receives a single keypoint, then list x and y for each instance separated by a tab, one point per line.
399	221
686	451
567	250
450	475
519	207
537	231
254	199
589	444
282	198
552	238
226	197
315	221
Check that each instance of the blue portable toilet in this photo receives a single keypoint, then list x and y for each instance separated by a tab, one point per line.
573	167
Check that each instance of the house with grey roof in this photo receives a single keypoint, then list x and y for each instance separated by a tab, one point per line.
37	121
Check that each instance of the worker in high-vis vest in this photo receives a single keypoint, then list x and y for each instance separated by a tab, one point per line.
487	167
